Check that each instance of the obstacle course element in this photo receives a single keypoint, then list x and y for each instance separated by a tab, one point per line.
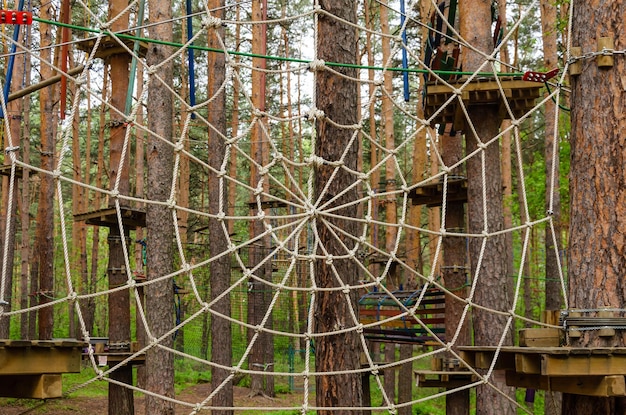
513	96
132	218
386	320
17	17
431	193
33	368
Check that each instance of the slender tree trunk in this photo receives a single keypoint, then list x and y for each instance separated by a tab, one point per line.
475	18
597	255
262	355
45	212
9	213
221	337
336	43
25	254
159	226
454	270
120	398
391	282
553	400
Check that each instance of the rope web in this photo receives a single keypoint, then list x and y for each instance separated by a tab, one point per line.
283	200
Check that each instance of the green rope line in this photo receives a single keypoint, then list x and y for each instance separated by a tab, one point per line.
561	106
276	58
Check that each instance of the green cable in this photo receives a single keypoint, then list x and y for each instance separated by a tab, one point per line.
276	58
563	107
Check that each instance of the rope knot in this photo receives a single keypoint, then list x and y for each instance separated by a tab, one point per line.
12	149
315	114
211	22
317	65
316	160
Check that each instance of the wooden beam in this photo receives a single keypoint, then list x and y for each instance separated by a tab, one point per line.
40	357
45	83
544	337
31	386
583	365
605	386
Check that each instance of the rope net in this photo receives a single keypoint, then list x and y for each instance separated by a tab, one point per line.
270	209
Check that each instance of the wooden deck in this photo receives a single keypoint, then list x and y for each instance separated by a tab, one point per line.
132	218
582	371
431	194
33	368
520	95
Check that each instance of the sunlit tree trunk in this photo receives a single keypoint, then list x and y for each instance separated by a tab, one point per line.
597	245
159	226
44	236
336	43
221	337
475	28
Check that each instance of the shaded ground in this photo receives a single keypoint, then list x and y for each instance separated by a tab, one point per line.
98	405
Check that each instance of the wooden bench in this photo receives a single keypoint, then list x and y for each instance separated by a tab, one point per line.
393	326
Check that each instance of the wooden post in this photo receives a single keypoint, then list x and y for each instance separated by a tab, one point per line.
120	398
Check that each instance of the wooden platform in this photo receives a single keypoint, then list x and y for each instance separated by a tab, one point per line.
520	95
109	47
132	218
268	204
5	170
443	378
33	368
582	371
431	194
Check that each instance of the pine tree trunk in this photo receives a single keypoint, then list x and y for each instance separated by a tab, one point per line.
493	272
120	398
454	271
221	337
159	226
336	43
45	210
597	246
9	213
262	354
25	252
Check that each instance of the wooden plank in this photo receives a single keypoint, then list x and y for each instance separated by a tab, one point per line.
36	359
580	385
443	379
529	364
525	380
108	217
583	365
544	337
605	386
31	386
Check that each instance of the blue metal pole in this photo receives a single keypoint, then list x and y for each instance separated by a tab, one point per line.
405	60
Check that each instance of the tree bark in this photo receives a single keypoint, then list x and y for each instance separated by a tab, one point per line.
120	398
597	244
336	43
44	234
454	271
493	272
159	222
262	354
221	337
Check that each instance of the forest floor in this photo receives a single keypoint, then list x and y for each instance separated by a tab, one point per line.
99	405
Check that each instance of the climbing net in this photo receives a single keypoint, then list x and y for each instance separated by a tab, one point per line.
272	211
